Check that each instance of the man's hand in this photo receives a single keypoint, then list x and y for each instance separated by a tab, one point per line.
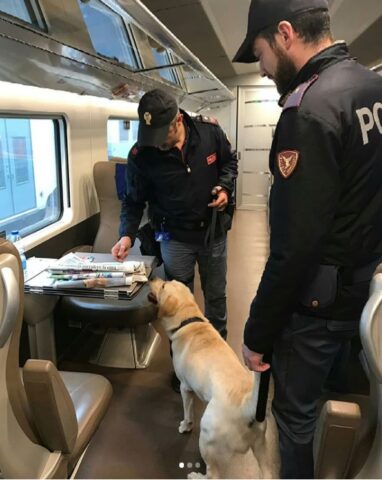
121	249
254	361
221	199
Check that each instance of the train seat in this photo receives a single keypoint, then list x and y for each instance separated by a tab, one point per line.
371	338
130	339
354	422
46	417
109	184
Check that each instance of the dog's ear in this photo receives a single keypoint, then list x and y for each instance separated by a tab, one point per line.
169	307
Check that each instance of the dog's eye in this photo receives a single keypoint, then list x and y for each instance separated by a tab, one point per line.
163	285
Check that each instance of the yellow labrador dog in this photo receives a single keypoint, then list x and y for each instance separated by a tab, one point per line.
208	367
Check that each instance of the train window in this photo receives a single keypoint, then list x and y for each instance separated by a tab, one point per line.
30	185
108	33
121	136
26	10
164	57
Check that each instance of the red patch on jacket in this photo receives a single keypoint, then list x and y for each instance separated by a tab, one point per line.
287	162
212	159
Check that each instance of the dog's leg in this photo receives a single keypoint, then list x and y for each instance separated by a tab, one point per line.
215	455
188	406
261	452
212	447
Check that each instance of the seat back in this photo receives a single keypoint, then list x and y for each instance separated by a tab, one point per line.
371	329
107	175
371	338
51	406
338	424
110	206
19	437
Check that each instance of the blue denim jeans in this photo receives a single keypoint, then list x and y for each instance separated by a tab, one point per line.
179	260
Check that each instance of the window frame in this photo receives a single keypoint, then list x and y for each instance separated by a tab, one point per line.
134	45
61	162
35	12
172	70
134	53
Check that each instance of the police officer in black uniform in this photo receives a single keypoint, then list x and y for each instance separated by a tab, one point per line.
325	211
183	167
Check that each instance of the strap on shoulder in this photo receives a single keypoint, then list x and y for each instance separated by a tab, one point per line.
295	98
206	119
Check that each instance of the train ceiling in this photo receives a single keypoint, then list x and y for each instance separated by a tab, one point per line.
108	48
221	25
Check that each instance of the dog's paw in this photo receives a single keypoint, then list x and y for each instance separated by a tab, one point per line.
185	426
196	475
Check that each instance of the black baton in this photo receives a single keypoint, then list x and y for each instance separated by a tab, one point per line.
263	391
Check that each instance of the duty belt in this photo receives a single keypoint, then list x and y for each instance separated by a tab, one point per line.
181	225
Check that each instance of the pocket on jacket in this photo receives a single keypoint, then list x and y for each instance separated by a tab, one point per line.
322	290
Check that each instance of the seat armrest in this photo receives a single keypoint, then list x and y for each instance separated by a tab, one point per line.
335	438
51	405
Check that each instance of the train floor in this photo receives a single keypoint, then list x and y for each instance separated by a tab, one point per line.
138	437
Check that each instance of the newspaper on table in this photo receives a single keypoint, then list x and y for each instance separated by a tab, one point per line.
73	271
49	276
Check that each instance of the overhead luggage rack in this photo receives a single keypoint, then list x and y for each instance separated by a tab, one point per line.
113	49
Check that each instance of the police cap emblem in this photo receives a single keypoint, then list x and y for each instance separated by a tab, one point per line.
148	117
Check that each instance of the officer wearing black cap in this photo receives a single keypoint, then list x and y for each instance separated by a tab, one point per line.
325	212
183	167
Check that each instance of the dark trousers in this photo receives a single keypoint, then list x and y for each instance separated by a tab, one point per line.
304	356
179	260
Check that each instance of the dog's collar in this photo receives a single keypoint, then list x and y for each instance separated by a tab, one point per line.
186	322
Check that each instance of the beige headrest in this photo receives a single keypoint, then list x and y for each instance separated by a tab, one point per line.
104	179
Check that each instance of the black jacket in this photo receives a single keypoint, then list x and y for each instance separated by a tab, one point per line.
329	210
178	184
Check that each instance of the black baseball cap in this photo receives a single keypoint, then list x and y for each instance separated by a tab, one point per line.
156	110
264	13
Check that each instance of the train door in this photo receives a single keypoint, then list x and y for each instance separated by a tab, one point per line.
17	159
257	119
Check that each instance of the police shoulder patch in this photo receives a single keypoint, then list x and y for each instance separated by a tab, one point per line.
287	162
295	98
205	119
